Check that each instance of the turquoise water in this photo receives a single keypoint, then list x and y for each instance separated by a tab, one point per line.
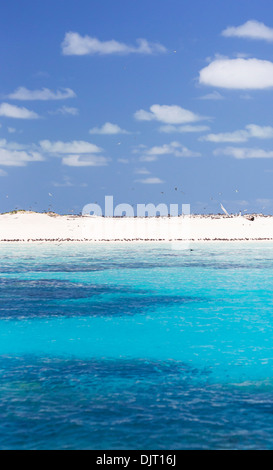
136	346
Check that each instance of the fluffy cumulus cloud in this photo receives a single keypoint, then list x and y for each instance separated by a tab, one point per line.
241	74
142	171
260	132
18	158
11	154
167	114
236	136
73	154
11	145
174	148
250	30
73	147
152	180
243	153
75	44
16	112
76	153
108	129
23	94
84	160
250	131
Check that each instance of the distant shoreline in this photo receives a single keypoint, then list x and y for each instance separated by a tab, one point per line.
32	227
135	241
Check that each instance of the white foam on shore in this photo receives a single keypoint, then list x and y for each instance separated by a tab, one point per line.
34	227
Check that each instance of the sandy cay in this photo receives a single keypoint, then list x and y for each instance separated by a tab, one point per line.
29	226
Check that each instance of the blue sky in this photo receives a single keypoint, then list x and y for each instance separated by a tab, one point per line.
148	101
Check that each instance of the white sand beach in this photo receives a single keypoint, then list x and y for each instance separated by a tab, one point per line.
33	227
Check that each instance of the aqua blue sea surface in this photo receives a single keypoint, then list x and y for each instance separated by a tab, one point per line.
136	346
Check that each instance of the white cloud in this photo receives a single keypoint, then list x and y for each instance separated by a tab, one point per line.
169	129
244	153
163	149
3	173
251	30
11	130
12	145
240	74
73	154
66	111
251	131
77	153
84	160
44	94
215	96
76	147
18	157
125	161
108	129
75	44
11	111
236	136
174	148
260	132
167	114
142	171
153	180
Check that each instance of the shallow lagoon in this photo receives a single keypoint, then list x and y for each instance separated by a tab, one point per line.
136	346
